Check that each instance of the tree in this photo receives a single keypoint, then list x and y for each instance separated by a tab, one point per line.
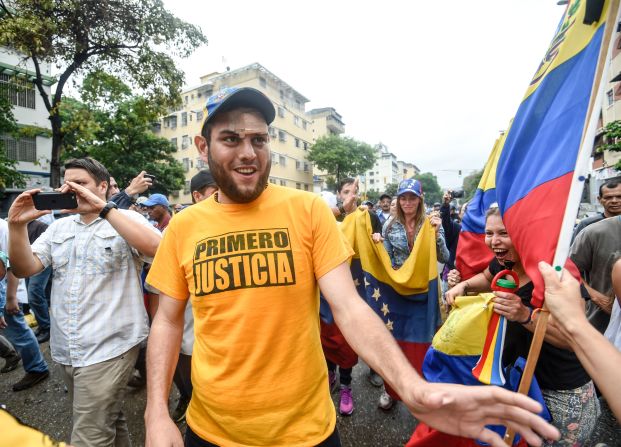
431	188
471	183
9	176
391	189
131	38
119	135
612	134
342	157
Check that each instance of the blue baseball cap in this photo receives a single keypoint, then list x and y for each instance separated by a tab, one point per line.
410	185
156	199
234	97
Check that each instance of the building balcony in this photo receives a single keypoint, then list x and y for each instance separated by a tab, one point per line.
335	125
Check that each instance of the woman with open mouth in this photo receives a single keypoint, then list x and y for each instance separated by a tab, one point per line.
567	388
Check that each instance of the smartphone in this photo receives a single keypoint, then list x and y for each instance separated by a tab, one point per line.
55	200
152	177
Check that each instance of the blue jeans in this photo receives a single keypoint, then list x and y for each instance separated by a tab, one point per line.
25	342
38	299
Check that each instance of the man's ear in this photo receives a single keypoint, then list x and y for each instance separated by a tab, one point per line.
103	187
201	146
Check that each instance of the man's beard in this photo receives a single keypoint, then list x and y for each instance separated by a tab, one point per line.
228	186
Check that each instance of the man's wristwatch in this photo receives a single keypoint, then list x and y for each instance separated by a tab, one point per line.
106	209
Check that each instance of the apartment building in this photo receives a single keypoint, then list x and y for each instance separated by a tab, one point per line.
32	153
387	169
291	133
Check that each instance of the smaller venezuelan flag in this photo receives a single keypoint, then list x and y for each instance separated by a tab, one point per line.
488	369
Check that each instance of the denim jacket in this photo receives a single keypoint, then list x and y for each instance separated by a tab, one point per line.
396	244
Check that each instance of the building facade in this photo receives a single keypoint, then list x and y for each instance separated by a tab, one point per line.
387	170
325	121
33	153
291	133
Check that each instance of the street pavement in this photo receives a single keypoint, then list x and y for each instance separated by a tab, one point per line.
46	407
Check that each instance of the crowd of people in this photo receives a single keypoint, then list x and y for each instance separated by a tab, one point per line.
221	298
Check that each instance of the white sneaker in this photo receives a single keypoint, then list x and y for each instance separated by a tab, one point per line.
385	401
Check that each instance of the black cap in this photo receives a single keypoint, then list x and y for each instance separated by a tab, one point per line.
201	180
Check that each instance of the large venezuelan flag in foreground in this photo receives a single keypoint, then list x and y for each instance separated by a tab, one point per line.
405	299
535	163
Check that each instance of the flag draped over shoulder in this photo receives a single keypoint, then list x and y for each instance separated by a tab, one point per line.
537	159
405	299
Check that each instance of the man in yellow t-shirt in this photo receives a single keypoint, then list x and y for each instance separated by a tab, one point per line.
253	273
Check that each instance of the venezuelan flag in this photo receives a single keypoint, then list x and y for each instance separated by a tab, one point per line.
405	299
456	350
531	170
473	256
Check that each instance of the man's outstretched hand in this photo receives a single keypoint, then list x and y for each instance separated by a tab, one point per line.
466	410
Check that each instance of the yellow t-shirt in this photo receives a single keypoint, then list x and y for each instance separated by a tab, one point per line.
251	272
15	434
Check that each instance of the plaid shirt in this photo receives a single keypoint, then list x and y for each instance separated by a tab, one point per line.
97	304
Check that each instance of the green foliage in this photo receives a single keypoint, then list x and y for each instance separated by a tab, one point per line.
120	136
612	134
471	183
431	188
373	195
342	157
391	189
9	175
135	40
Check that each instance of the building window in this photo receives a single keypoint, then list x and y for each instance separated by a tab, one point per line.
283	183
371	181
282	95
305	186
22	149
186	187
186	164
282	160
304	124
171	121
272	132
281	112
305	146
298	165
184	118
17	91
298	103
274	157
262	81
305	167
297	142
186	99
611	97
296	120
185	142
282	136
199	115
200	164
272	180
298	186
173	141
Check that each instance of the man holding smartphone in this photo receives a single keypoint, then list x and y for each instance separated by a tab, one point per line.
98	317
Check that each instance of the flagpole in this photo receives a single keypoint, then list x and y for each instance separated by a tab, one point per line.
573	200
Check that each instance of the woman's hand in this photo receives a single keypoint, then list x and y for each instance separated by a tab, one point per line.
453	278
510	306
454	292
377	238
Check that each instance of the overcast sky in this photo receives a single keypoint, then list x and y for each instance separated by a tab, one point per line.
433	80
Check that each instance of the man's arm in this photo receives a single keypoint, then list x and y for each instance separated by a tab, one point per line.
23	261
453	409
138	236
162	355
